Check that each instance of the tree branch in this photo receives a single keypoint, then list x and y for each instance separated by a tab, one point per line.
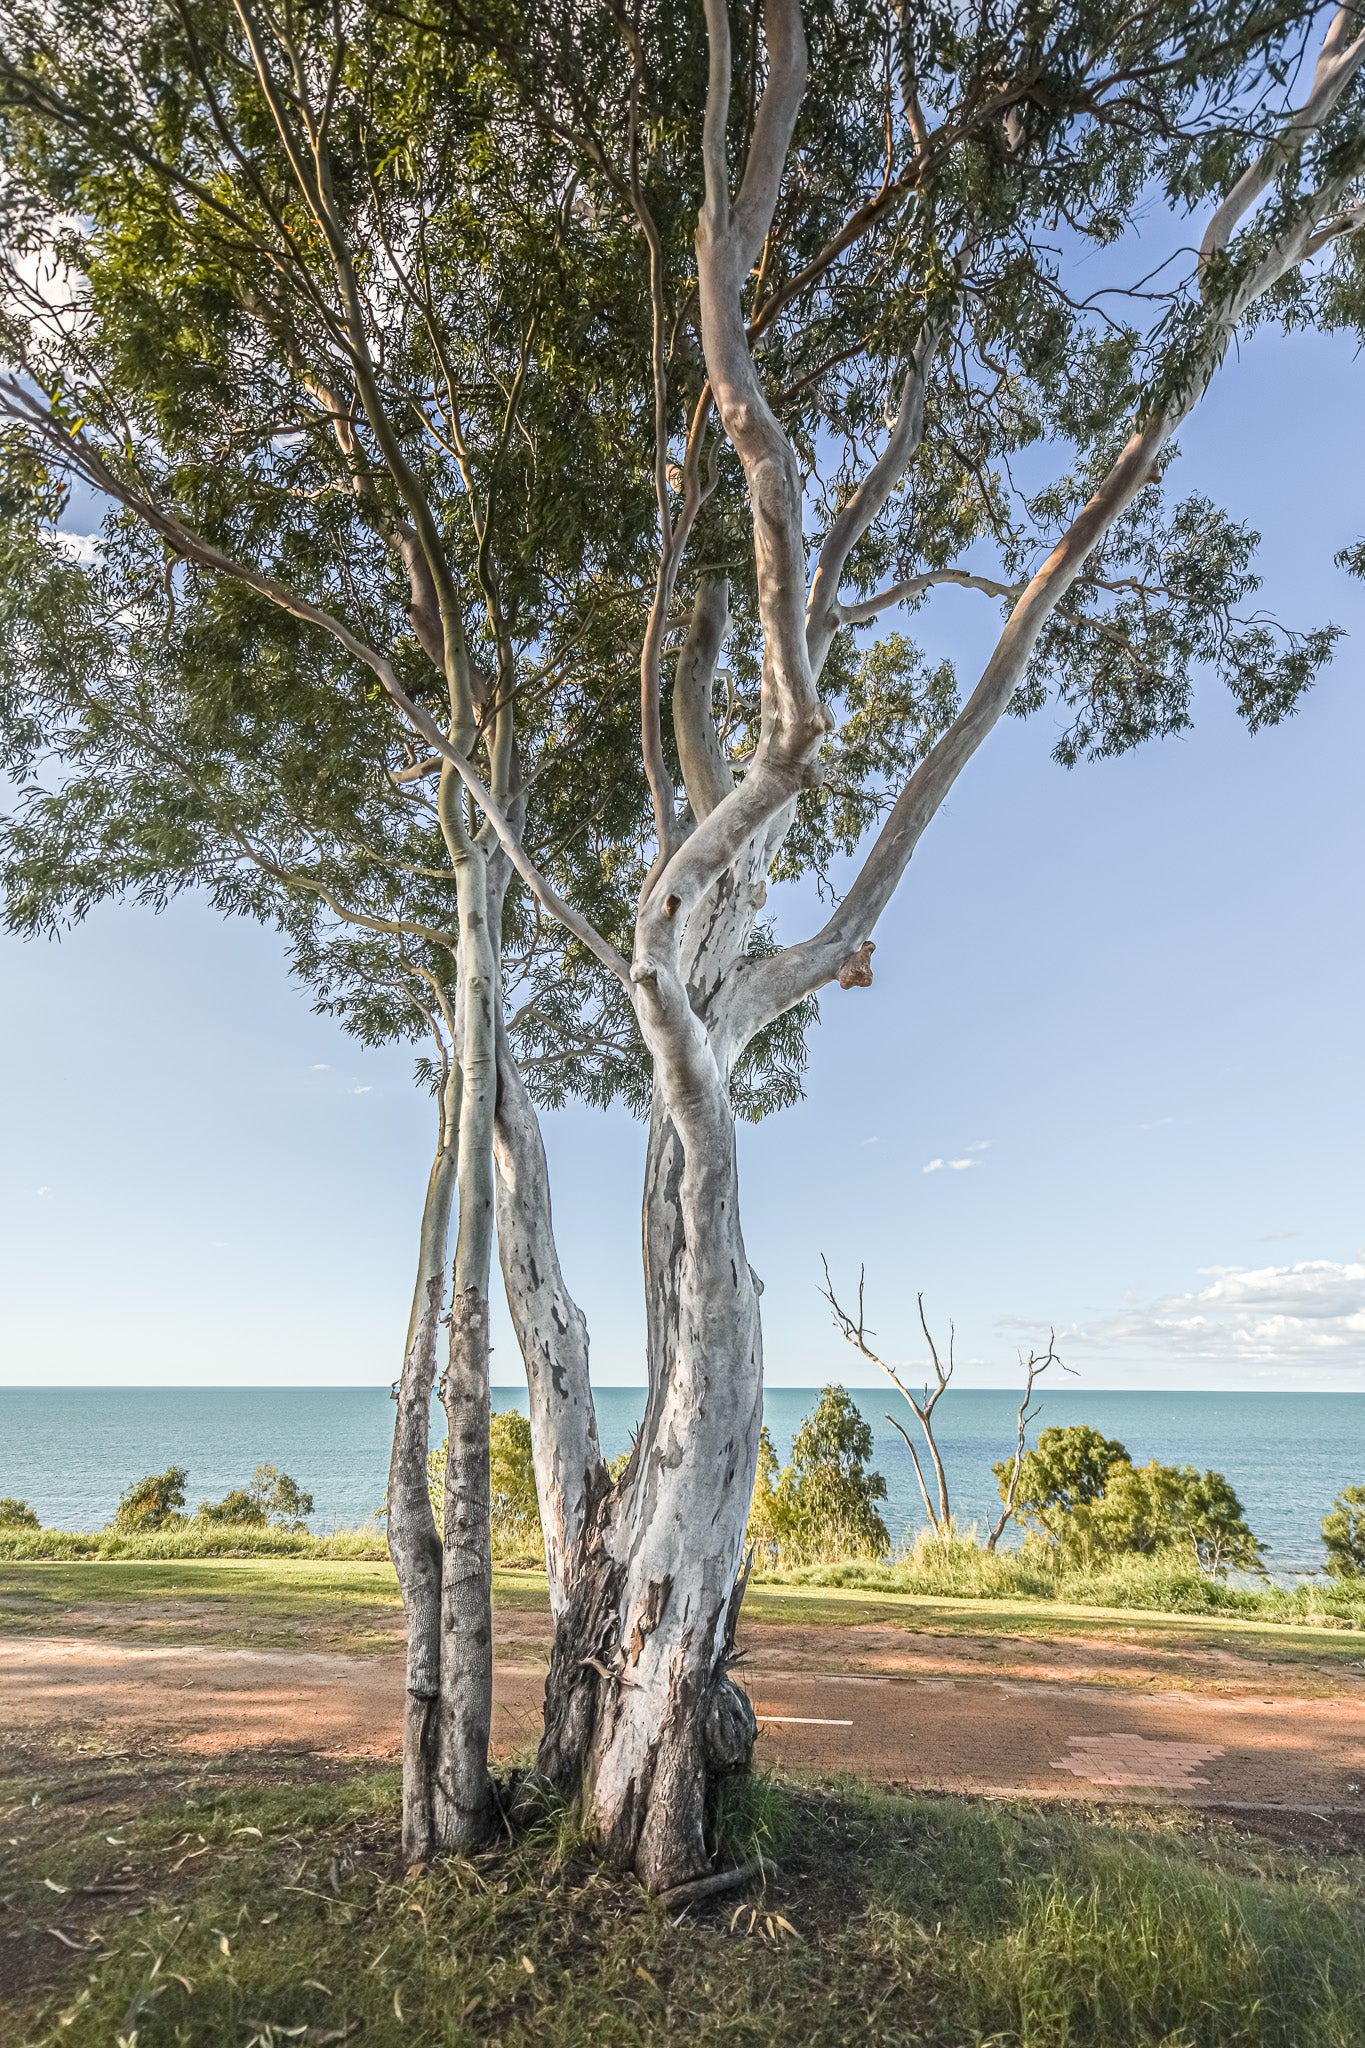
79	454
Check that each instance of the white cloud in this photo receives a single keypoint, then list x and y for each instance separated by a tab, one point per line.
956	1165
43	1194
365	1090
1305	1314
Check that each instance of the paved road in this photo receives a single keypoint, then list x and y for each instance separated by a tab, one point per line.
1046	1738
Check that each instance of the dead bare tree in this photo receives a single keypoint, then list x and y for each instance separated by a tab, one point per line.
1034	1367
856	1332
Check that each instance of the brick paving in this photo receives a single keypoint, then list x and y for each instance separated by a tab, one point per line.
1044	1738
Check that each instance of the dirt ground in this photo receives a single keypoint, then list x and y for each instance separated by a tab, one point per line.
1098	1718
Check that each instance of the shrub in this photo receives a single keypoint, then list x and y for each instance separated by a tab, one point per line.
512	1476
238	1509
823	1504
1343	1534
1084	1498
272	1500
1064	1474
17	1514
152	1503
281	1500
1151	1508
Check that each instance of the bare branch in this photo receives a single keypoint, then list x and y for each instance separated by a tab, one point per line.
1034	1368
855	1332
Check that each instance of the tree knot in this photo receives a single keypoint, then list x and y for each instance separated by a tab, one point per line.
856	971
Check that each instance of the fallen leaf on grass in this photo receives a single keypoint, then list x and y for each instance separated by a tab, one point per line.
528	1966
250	1831
312	1984
54	1887
66	1941
641	1971
397	2008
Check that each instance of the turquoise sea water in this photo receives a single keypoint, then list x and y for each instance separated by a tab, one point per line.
71	1451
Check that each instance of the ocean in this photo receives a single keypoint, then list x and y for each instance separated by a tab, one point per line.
71	1451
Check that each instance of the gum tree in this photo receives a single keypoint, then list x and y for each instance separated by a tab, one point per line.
445	370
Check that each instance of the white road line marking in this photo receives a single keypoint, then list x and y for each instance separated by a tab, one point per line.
803	1720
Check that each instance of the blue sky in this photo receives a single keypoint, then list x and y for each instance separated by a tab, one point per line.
1121	1005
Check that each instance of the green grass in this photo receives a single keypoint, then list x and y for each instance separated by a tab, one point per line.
959	1571
265	1915
282	1602
353	1604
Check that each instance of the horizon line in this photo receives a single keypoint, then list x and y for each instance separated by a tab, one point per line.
603	1387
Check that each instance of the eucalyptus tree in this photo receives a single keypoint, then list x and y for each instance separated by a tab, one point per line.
444	364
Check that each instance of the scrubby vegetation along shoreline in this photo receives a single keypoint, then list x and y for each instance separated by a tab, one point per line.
191	1538
960	1568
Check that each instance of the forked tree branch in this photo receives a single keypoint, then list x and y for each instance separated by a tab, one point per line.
1338	60
770	986
856	1332
824	613
729	238
1034	1368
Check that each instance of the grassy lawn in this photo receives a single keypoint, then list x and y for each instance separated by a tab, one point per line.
258	1913
353	1605
281	1603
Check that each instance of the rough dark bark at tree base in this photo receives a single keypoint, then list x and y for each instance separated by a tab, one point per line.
663	1826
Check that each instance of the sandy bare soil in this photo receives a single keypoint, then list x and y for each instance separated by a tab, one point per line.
1099	1721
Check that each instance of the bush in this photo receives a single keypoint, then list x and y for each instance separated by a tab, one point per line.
17	1514
823	1504
1084	1498
238	1509
1343	1534
281	1500
1064	1474
152	1503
